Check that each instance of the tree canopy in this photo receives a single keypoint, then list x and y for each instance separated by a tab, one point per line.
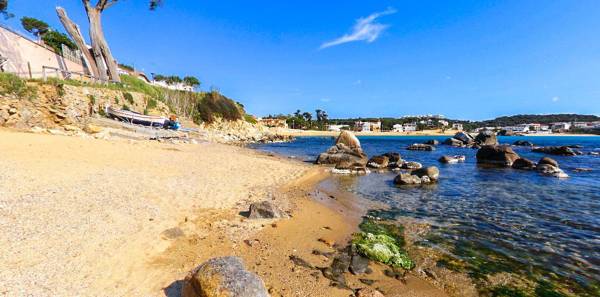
4	9
55	39
191	81
35	26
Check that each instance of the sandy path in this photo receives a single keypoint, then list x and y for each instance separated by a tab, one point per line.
84	217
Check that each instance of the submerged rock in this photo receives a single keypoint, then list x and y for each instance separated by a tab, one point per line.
452	159
522	143
225	276
407	179
557	150
549	170
432	142
497	155
378	162
359	264
411	165
549	161
265	210
523	163
432	172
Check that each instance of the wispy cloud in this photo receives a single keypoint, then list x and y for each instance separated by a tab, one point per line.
555	99
365	29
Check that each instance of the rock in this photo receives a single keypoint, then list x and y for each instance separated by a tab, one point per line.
420	147
411	165
368	292
37	129
498	155
452	159
71	128
393	157
432	142
359	264
348	139
523	163
556	150
300	262
431	172
464	137
56	132
549	161
12	111
378	162
486	137
338	267
549	170
221	277
92	129
582	169
453	142
522	143
172	233
265	210
407	179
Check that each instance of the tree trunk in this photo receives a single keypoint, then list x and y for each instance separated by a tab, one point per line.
75	33
96	27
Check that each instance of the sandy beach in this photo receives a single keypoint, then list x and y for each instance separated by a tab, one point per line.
121	218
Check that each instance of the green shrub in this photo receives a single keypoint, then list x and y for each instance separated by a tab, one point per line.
250	119
215	105
12	84
92	99
151	104
125	107
128	97
117	100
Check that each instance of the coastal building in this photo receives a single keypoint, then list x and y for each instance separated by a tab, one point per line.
407	127
176	86
443	123
273	123
457	126
561	126
361	126
337	128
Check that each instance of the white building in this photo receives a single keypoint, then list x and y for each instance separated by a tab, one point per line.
457	126
408	127
337	128
444	123
367	126
564	126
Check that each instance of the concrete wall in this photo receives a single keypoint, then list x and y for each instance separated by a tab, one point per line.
20	51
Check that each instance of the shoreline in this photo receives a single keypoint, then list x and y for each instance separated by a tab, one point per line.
431	133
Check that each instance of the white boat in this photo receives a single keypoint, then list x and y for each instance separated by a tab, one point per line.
135	118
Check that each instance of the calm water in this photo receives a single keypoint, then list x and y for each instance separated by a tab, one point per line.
536	222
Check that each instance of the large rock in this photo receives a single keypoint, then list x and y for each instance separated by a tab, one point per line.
465	137
524	164
420	147
407	179
452	159
453	142
498	155
556	150
393	156
432	172
348	139
223	277
432	142
411	165
523	143
486	137
549	170
265	210
549	161
378	162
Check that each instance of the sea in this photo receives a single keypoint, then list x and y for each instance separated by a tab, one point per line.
497	219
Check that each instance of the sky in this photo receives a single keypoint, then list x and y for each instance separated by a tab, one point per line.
463	59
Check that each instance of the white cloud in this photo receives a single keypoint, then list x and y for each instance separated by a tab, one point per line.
365	29
555	99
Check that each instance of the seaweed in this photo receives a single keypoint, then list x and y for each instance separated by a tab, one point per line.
382	248
369	225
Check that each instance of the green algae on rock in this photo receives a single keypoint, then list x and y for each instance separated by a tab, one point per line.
382	248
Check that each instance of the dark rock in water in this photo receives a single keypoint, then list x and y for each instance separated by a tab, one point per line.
549	161
523	163
549	170
575	146
432	142
411	165
378	162
359	264
453	142
432	172
393	156
556	150
464	137
497	155
407	179
265	210
339	266
594	153
523	143
582	169
225	276
420	147
486	137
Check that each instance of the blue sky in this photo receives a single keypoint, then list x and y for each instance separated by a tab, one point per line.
464	59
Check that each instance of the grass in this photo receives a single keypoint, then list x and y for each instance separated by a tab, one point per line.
215	105
13	85
128	97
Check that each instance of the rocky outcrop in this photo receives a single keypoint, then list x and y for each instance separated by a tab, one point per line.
432	142
417	177
452	159
378	162
393	157
548	161
223	277
265	210
557	150
411	165
524	164
346	154
486	137
432	172
549	170
420	147
497	155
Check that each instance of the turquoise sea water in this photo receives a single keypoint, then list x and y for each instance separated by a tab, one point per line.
517	221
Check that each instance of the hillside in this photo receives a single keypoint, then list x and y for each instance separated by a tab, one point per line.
532	118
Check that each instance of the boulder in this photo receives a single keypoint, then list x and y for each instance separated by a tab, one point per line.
407	179
393	156
411	165
420	147
486	137
432	172
523	163
556	150
378	162
498	155
549	170
453	142
265	210
549	161
464	137
359	264
523	143
348	139
432	142
93	129
451	159
223	277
